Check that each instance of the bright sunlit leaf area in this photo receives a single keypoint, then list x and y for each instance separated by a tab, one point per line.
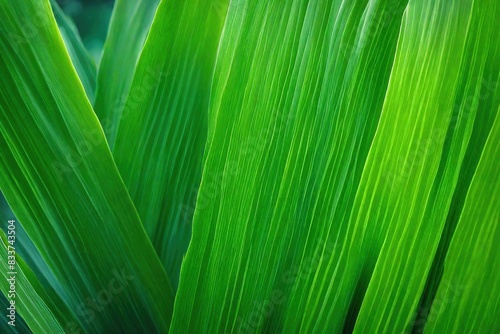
250	166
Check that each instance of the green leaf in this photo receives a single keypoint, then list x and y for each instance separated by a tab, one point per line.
84	64
477	95
416	157
59	177
166	119
129	26
467	298
315	214
295	104
40	307
28	251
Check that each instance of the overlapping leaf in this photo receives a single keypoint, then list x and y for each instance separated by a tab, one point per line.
58	175
467	298
27	250
84	65
40	306
418	152
160	141
296	100
86	70
350	176
129	26
288	234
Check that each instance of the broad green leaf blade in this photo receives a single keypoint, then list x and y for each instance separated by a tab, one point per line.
467	298
129	26
477	98
296	100
84	64
59	177
40	307
296	229
423	151
166	120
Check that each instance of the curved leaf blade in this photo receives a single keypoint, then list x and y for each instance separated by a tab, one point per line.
84	64
119	59
40	307
61	181
166	118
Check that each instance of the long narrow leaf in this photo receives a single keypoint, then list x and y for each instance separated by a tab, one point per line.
428	131
166	118
28	252
296	99
40	307
129	26
59	178
306	220
467	298
84	64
